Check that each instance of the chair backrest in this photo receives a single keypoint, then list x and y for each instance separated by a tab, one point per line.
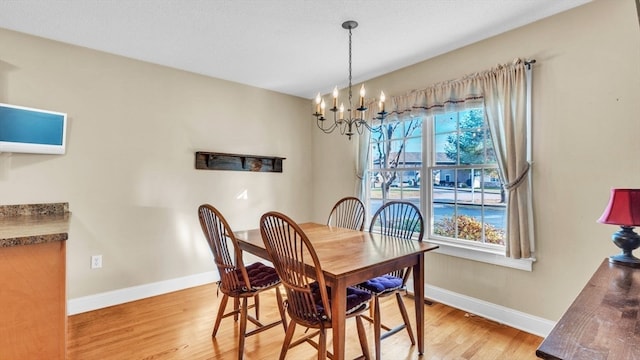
233	275
289	248
347	213
400	219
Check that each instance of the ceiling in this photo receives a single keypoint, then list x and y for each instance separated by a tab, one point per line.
296	47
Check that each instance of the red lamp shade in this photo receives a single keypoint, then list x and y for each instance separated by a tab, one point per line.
623	208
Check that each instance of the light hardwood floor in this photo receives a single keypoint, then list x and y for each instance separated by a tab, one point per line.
178	326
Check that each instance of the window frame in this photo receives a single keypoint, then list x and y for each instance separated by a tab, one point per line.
466	250
371	169
460	167
481	252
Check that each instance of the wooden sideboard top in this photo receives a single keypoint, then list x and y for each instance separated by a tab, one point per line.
604	320
33	224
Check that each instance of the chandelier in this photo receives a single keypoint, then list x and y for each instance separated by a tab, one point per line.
355	118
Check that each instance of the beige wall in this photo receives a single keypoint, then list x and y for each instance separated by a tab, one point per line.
129	177
129	174
586	108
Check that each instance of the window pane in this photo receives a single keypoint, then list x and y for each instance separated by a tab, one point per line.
471	119
467	201
375	190
469	222
495	226
408	187
445	123
413	146
491	153
446	149
379	154
492	187
396	162
396	155
396	129
471	145
413	127
377	134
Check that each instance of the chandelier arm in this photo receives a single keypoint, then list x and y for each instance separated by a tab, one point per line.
326	130
345	127
364	124
373	129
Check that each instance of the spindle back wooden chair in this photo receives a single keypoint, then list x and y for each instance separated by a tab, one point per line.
348	213
404	220
236	280
307	301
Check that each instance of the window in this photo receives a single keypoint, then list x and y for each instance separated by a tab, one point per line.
462	197
395	164
468	204
458	177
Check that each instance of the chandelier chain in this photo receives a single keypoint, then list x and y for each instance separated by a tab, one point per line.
350	94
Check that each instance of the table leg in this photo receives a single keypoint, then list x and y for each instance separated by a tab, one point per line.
338	317
418	288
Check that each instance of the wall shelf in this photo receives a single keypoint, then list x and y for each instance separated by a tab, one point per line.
237	162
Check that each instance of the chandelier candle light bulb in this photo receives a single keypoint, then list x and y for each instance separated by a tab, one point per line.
382	99
318	100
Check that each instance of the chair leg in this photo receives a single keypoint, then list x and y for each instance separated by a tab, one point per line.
287	339
236	306
405	317
322	344
256	302
377	325
362	336
221	308
243	328
283	315
372	306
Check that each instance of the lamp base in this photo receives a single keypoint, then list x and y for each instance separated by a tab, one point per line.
627	240
626	260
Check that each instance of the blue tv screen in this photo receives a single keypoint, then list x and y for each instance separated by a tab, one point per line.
28	130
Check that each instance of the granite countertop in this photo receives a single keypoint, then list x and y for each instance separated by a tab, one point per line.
33	224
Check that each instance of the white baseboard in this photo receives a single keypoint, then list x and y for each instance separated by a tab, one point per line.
516	319
507	316
121	296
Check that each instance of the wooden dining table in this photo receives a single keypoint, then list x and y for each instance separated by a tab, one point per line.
349	257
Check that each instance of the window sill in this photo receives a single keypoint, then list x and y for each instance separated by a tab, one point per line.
482	255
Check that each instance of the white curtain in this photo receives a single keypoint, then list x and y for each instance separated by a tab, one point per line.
502	91
362	158
505	94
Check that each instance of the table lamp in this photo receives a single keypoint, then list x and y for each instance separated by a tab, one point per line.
624	210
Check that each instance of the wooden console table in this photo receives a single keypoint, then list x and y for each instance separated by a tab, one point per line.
604	320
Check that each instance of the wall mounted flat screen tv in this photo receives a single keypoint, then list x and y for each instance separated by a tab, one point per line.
27	130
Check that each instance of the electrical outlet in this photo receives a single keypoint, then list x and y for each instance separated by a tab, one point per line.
96	261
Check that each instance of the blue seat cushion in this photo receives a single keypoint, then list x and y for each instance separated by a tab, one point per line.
382	284
356	299
260	276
